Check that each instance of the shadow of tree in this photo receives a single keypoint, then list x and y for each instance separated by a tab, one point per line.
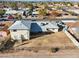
8	45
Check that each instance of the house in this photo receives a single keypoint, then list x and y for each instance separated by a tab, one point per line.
43	26
74	10
11	12
76	5
10	17
20	30
35	12
7	9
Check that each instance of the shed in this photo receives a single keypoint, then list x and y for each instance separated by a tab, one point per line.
20	30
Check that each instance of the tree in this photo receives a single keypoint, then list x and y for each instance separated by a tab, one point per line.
31	7
59	7
17	16
42	12
66	3
13	5
2	12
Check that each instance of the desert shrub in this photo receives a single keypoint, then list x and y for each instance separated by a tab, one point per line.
42	12
54	49
35	50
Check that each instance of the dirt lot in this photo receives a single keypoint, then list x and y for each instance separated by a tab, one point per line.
58	39
72	24
44	45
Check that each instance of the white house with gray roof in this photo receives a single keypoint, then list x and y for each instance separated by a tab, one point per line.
21	29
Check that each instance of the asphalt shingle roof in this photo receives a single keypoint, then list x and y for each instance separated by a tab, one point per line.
21	25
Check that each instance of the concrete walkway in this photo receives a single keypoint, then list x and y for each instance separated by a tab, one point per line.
72	38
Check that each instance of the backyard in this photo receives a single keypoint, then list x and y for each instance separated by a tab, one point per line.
44	45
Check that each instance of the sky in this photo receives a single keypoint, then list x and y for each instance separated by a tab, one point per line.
40	0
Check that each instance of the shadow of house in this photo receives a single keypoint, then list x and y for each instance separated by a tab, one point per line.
34	35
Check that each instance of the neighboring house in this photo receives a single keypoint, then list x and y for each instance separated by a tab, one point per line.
10	17
20	12
74	11
20	30
7	9
11	12
76	5
35	12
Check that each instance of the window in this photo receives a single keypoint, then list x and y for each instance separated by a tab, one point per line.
14	30
53	28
